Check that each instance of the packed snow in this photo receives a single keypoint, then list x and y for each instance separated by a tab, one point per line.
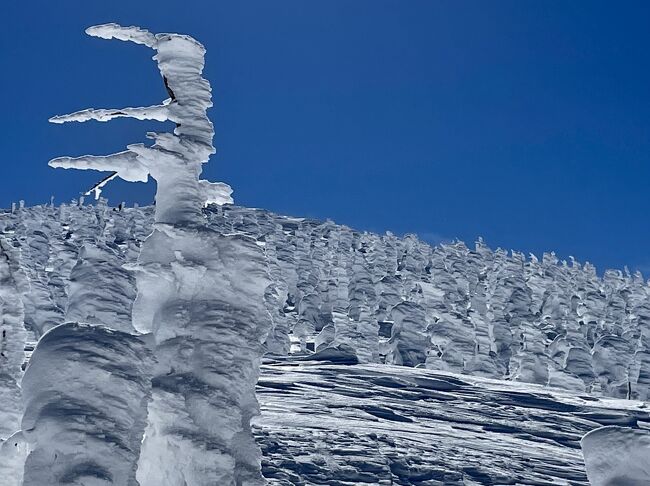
325	423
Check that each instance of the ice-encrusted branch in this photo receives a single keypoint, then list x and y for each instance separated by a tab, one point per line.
216	193
157	112
97	188
116	31
125	164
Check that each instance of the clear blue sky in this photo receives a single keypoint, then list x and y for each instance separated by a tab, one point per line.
526	122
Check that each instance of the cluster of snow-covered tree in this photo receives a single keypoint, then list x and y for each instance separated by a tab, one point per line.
347	295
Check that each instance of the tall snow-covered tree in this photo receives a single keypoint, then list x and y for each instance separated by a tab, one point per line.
200	291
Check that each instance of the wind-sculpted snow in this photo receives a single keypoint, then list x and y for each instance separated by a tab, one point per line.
351	297
151	324
202	293
617	456
12	339
73	250
175	159
479	312
345	425
85	392
208	339
101	290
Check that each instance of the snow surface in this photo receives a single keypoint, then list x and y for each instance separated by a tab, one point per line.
617	456
324	423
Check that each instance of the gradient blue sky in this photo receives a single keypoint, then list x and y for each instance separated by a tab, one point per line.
526	122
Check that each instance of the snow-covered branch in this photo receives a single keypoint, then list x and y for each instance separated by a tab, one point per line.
156	112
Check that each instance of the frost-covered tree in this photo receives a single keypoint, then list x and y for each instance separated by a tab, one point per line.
101	291
12	339
451	331
277	341
85	390
408	342
13	336
200	291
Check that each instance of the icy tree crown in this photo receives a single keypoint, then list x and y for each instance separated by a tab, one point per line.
175	159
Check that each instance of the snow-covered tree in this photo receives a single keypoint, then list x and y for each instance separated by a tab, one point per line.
13	336
200	291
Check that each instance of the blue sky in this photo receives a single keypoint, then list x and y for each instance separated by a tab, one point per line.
526	122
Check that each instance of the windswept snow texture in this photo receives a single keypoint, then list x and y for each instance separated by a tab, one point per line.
386	425
370	298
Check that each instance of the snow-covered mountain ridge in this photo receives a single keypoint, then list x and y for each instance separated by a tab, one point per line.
352	296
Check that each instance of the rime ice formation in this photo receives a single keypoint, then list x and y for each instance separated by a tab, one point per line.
569	328
151	324
86	284
13	338
174	160
100	290
617	456
86	390
209	322
370	424
203	294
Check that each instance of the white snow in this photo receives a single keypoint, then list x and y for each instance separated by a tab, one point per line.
323	423
617	456
85	392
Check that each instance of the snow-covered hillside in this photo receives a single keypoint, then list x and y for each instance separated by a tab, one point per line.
366	297
347	308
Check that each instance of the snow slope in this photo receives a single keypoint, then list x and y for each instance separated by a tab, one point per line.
324	423
382	298
388	361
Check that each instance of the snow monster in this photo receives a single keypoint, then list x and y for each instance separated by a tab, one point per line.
200	309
